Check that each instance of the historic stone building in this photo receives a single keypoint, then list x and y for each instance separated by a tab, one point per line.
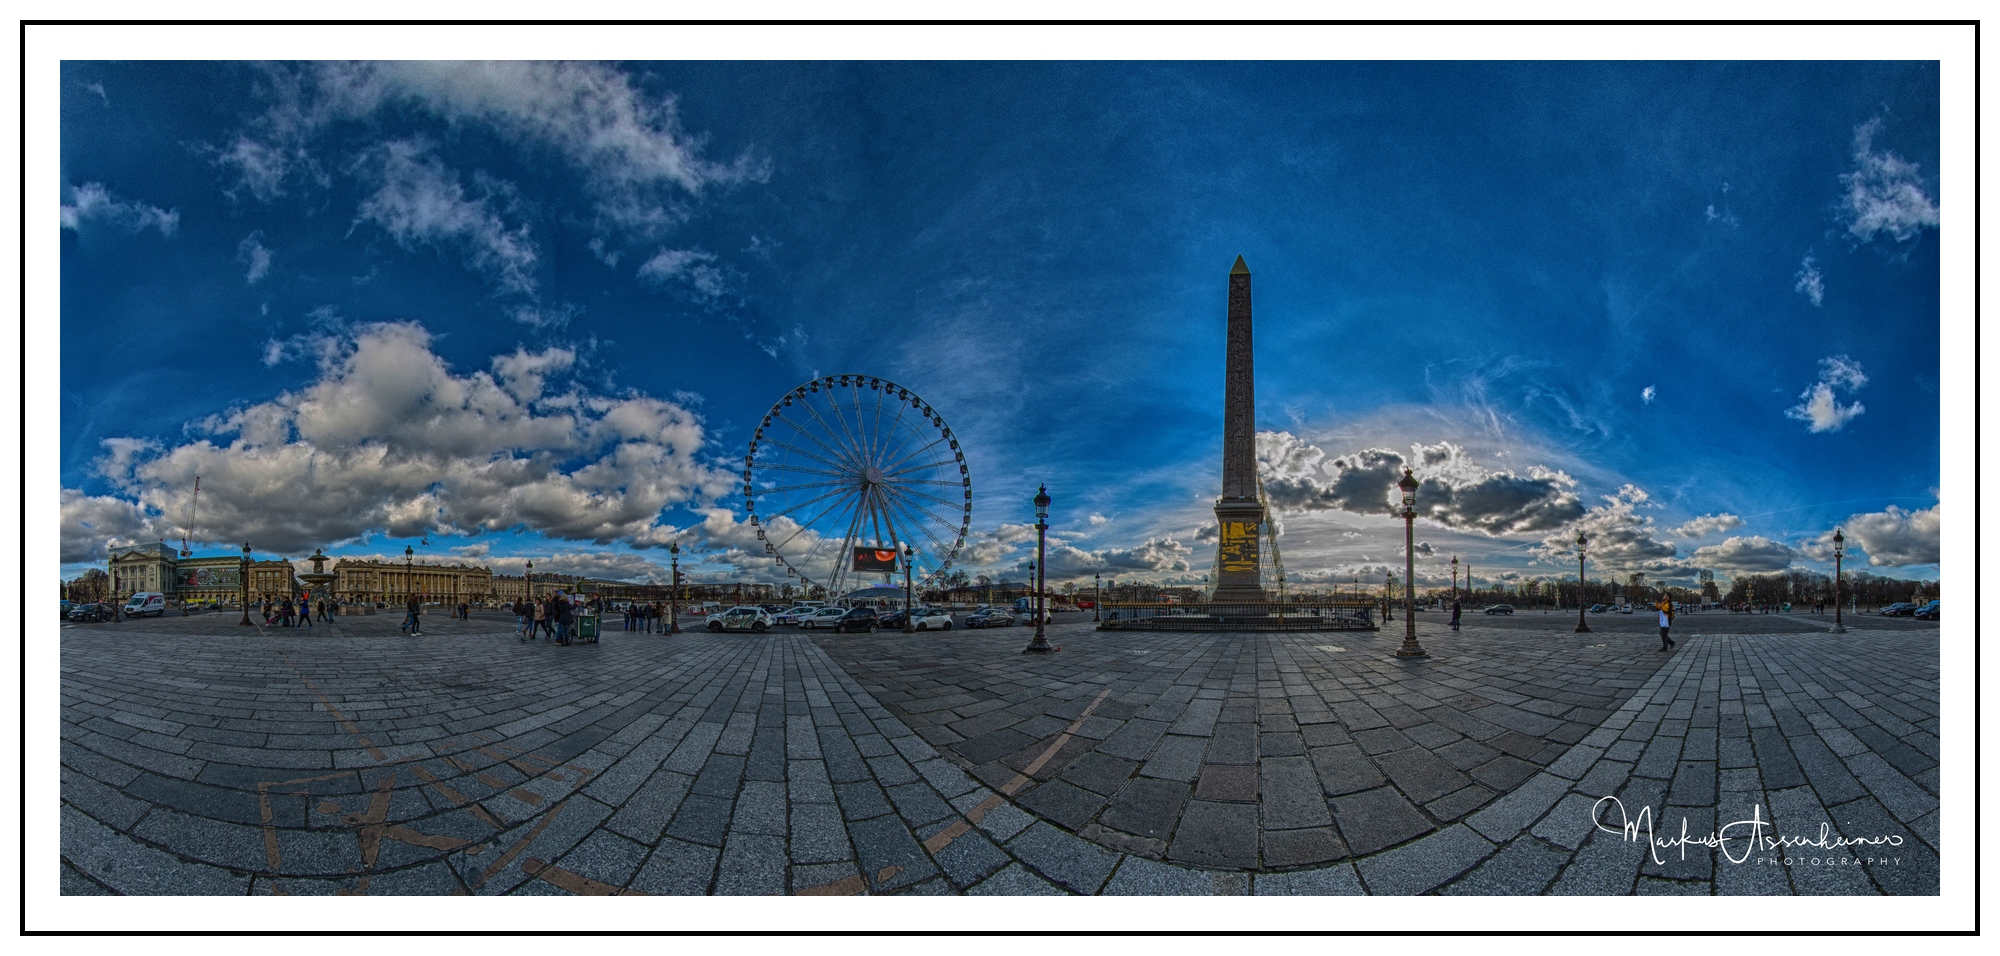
141	567
392	582
217	579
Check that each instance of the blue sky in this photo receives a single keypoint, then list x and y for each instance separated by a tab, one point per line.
537	310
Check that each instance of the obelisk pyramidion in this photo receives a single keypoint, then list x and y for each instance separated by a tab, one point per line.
1239	512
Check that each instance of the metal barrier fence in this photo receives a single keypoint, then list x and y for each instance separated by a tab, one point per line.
1286	616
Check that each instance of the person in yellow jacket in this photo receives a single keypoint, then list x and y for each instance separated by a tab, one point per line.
1666	608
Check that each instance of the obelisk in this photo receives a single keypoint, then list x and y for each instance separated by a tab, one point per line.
1239	512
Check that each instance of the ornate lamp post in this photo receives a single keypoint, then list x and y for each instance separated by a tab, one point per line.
1040	645
1581	542
1388	596
1839	546
409	574
1097	597
243	579
674	603
1410	646
1454	578
909	558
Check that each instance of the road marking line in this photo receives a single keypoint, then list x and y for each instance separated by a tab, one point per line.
847	886
519	845
964	825
580	885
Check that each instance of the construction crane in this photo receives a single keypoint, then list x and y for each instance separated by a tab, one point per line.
188	528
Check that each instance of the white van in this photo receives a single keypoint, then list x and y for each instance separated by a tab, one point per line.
146	602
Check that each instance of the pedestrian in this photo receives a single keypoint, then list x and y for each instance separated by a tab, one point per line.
305	612
323	609
564	614
285	613
411	624
1454	614
1666	621
537	619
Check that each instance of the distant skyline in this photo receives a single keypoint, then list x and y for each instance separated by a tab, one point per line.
534	310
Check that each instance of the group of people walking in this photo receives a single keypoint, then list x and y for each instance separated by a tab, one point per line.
552	617
286	614
643	617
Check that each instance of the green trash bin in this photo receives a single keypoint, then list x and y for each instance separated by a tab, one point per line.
586	628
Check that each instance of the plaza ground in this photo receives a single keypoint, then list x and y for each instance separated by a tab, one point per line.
200	757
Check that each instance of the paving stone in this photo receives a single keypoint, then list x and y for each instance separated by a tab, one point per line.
1289	795
1216	834
1227	784
1099	773
752	865
1523	868
1326	881
970	858
1569	823
1374	819
1074	864
1233	744
1421	775
134	869
1288	848
1516	811
1344	770
1424	864
1503	772
1138	876
1458	803
862	801
1606	865
1069	806
701	819
677	868
818	834
1178	758
919	804
1146	807
1016	880
605	857
889	854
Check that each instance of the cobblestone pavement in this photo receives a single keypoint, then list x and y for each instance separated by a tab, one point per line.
204	758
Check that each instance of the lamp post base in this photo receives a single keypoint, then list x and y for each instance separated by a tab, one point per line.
1583	629
1837	629
1410	649
1039	646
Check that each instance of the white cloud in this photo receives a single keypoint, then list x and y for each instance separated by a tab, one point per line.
389	439
91	202
1755	554
692	266
251	252
1810	281
1885	193
1154	555
523	373
418	201
91	525
637	163
1097	519
1621	539
1896	537
1646	394
1818	406
1706	524
1454	491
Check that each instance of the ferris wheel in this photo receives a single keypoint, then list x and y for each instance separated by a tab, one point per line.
845	473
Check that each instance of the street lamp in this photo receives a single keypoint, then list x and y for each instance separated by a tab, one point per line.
1097	597
409	574
909	558
1388	595
1581	542
1454	579
1839	546
1410	646
243	579
674	603
1040	645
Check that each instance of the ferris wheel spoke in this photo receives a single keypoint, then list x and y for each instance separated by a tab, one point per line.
892	470
845	455
947	502
779	466
927	529
928	481
940	519
837	453
843	483
895	428
833	408
802	525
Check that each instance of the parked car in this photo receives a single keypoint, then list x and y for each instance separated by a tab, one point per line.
792	615
1023	612
857	619
1624	608
931	618
743	617
989	617
1599	608
1928	612
66	605
1500	609
823	617
890	620
89	613
1898	609
146	602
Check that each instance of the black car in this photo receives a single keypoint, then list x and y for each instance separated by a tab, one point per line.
1501	609
989	617
891	620
90	613
858	619
1898	609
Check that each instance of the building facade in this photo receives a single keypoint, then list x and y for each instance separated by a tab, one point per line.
393	583
141	567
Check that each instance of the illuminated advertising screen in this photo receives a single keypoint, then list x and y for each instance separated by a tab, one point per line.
187	579
875	559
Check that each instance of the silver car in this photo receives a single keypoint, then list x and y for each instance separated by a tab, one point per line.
824	617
